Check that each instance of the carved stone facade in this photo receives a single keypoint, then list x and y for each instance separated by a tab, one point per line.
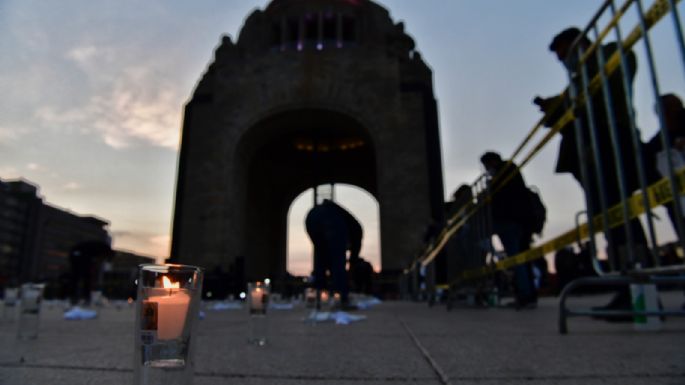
311	92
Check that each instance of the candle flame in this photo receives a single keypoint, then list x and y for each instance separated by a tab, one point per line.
169	285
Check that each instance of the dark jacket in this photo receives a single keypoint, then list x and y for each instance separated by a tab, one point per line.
511	202
567	160
332	216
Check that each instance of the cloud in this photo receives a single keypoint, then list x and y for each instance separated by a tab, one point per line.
37	168
10	135
9	172
121	233
161	244
144	243
6	135
71	186
84	56
128	100
133	112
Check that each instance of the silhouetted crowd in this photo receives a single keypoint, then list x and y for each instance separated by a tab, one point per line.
601	148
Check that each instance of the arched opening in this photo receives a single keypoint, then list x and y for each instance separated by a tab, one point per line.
358	202
285	154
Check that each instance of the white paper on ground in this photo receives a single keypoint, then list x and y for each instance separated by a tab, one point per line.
339	317
281	306
226	306
367	303
77	313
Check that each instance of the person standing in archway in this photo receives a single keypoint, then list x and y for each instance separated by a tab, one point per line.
333	231
85	260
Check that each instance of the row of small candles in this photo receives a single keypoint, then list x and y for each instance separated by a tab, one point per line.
167	307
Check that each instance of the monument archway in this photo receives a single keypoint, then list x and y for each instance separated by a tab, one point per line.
312	92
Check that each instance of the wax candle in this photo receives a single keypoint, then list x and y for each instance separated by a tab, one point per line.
310	297
165	310
30	300
11	296
258	300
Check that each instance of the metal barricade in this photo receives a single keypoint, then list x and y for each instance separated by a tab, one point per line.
470	246
614	168
601	80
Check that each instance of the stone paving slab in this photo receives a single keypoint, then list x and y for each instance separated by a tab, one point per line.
501	346
398	343
32	375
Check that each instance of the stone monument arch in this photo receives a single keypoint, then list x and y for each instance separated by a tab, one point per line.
311	92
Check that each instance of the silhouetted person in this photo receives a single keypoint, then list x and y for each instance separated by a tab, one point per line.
466	248
510	208
333	231
674	121
568	159
85	259
462	196
362	275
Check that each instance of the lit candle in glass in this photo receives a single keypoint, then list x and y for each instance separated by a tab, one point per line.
165	310
310	297
258	299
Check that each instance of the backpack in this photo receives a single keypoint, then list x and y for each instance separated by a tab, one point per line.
538	212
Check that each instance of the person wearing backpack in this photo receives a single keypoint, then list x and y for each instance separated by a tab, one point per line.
510	207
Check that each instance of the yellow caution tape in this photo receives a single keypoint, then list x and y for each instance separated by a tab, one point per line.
659	193
657	11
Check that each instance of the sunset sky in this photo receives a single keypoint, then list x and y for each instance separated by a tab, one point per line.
92	95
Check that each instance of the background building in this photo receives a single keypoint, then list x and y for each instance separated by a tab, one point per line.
35	239
19	208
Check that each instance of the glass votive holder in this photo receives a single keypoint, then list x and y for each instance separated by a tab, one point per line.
29	310
310	298
166	309
324	300
96	298
9	307
335	302
257	304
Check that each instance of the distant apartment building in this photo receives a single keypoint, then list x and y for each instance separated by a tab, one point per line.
19	208
119	276
35	237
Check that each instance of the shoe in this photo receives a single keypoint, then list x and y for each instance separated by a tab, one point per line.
521	305
528	305
618	319
613	305
510	304
620	301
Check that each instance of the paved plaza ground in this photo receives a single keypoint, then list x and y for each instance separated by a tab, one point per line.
398	343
